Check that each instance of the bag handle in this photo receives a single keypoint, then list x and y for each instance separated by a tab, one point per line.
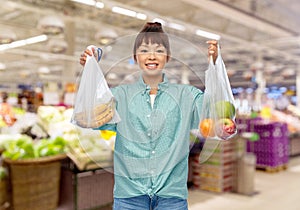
219	54
99	51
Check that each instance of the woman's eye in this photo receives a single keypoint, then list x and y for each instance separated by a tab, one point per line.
144	51
160	51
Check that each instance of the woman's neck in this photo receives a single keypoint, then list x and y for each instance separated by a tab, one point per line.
153	81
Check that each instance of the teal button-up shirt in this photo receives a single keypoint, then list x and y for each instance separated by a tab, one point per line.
152	144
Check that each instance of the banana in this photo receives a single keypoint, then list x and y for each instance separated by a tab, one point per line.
102	114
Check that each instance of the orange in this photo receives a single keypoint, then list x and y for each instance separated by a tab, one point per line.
206	128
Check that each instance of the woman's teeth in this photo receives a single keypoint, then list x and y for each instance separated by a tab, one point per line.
151	65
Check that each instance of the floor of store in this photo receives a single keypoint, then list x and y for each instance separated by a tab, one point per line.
276	191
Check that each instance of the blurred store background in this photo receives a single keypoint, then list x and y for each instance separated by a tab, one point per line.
40	45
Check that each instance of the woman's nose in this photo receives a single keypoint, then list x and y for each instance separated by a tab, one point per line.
151	55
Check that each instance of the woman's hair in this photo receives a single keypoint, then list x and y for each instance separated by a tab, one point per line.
154	33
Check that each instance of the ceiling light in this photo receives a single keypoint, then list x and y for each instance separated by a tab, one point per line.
207	34
176	26
90	3
106	36
141	16
57	45
24	42
86	2
51	25
7	36
129	13
99	5
123	11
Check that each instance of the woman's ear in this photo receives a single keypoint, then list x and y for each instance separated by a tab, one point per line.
168	58
134	58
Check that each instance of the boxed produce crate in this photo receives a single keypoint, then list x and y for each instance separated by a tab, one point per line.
272	149
217	173
85	189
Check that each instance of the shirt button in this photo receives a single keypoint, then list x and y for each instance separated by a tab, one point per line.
153	152
148	115
149	134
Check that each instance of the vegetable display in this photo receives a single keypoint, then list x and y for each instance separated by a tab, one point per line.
25	147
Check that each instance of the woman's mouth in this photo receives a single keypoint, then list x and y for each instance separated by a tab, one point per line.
151	65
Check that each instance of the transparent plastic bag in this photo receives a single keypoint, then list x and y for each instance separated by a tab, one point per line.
94	103
218	112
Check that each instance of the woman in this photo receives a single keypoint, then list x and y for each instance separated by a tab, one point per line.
152	142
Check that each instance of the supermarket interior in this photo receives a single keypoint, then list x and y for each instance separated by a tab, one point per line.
48	162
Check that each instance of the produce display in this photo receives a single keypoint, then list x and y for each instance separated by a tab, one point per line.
50	132
25	147
90	151
222	125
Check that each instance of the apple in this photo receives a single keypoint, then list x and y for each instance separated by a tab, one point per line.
225	109
225	128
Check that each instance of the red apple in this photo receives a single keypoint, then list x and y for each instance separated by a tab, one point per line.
225	128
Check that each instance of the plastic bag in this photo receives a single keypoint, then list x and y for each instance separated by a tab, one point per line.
94	103
218	111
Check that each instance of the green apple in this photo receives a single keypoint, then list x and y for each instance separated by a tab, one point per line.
225	109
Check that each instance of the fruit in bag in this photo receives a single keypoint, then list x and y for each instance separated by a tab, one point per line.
206	128
225	128
225	109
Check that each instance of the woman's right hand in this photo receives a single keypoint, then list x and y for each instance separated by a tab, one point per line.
85	54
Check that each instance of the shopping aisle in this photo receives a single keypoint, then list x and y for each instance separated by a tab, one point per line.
275	191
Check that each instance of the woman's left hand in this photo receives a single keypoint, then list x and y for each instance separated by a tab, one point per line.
212	49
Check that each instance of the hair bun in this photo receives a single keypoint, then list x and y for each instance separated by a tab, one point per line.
152	27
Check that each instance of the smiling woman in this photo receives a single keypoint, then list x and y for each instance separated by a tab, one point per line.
152	138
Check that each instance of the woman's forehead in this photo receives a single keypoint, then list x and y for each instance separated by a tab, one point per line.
144	44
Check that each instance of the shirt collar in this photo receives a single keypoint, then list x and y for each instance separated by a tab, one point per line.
161	86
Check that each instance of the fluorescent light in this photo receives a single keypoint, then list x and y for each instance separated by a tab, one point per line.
124	11
24	42
99	5
87	2
18	43
176	26
129	13
141	16
36	39
90	3
208	34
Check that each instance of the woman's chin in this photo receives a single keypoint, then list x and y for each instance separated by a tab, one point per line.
152	72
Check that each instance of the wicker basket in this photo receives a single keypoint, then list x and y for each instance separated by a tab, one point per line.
3	192
35	182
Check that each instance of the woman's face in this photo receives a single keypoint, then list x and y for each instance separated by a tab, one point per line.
151	58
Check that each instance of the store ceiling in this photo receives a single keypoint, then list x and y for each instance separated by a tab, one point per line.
255	34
